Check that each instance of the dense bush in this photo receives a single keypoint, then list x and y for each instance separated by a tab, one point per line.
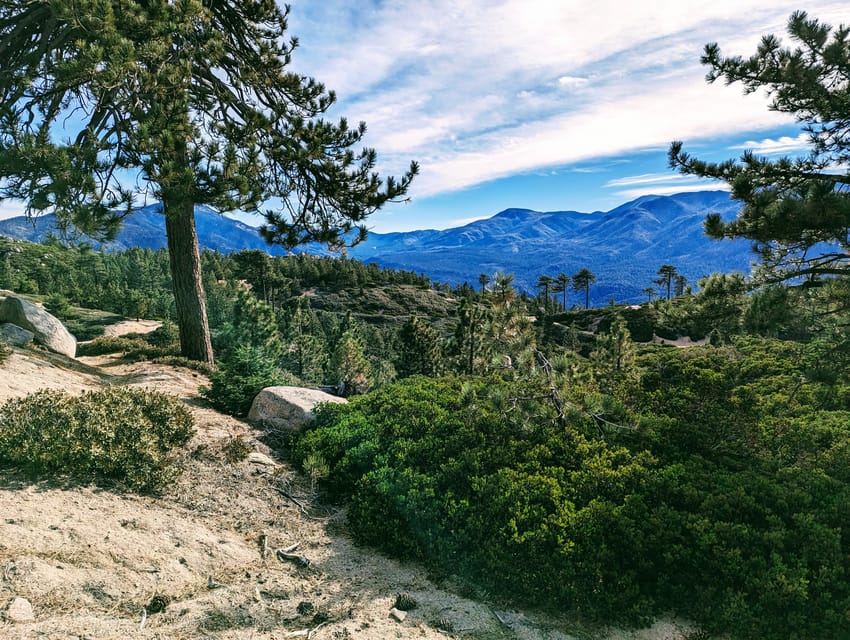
730	503
114	435
240	376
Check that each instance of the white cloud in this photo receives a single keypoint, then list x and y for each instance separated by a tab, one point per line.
781	146
483	89
646	178
571	82
11	209
631	194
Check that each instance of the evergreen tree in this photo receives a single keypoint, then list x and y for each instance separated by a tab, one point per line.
304	352
720	304
562	284
469	344
349	367
483	280
194	96
791	206
544	283
613	359
581	282
679	284
419	349
668	273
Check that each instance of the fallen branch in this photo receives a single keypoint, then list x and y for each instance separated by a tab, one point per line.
298	559
144	618
289	497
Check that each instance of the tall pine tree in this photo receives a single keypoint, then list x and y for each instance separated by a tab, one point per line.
188	101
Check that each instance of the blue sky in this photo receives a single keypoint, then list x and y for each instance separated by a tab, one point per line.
543	104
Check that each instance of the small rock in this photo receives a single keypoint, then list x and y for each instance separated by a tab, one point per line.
397	614
256	457
20	611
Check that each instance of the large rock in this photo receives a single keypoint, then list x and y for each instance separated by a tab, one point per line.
287	408
47	329
12	334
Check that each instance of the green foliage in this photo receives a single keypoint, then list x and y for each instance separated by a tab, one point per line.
240	376
115	435
5	351
419	349
57	305
349	367
727	504
253	324
795	209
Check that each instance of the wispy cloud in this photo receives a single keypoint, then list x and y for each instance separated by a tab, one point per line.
480	90
780	146
646	179
660	184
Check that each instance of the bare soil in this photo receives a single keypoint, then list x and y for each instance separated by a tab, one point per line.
107	564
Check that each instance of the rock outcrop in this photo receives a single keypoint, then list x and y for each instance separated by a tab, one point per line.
287	408
47	329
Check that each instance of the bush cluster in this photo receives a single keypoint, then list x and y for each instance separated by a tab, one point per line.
114	435
728	504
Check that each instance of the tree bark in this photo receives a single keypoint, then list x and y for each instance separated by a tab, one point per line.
185	259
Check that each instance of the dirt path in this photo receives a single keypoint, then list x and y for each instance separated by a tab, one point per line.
90	560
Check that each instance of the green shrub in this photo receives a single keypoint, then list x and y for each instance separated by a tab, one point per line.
114	435
5	351
727	504
241	375
132	346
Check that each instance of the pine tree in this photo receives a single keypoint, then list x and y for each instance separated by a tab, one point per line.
196	99
469	345
581	282
419	349
791	206
349	367
613	359
668	273
304	352
562	284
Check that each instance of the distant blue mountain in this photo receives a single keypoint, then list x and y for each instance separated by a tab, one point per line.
624	247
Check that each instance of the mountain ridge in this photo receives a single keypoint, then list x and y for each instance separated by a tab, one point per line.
624	246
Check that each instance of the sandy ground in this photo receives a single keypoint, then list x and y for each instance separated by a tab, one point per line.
91	561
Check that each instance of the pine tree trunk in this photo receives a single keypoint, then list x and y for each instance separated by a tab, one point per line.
185	259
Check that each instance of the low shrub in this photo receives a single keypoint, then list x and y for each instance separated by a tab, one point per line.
113	435
132	347
5	351
726	504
